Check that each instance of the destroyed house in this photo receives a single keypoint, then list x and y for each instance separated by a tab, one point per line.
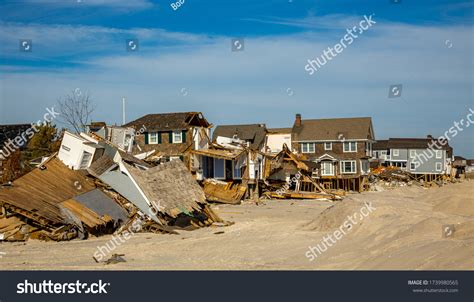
171	135
122	137
416	155
341	148
53	202
276	138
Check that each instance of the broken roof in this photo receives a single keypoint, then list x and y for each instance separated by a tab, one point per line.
229	154
254	133
171	187
169	121
334	129
37	195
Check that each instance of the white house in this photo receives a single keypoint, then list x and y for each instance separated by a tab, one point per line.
276	138
78	151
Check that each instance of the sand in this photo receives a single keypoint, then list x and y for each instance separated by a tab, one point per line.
404	232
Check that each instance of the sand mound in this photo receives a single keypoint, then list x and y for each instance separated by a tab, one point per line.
464	230
456	205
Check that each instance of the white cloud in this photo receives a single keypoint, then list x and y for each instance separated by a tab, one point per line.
250	86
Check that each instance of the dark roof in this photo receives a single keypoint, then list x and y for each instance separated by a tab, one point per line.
413	143
11	131
169	121
380	145
334	129
279	130
470	162
253	133
100	203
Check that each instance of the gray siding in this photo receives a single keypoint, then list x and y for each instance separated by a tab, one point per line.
428	161
402	154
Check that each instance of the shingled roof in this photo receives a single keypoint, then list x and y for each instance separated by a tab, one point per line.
254	133
334	129
413	143
171	187
169	121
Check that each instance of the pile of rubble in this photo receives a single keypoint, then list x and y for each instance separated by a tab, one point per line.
55	202
383	178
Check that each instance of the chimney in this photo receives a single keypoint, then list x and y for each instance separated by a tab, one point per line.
298	120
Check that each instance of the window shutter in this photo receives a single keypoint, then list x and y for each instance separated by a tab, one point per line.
170	137
159	137
146	138
183	136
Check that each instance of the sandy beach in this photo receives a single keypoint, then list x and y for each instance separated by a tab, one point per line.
403	232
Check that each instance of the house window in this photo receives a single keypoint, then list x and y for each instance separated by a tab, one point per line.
350	146
412	153
153	137
237	171
439	154
307	147
348	166
396	152
219	168
438	167
412	166
86	157
327	168
177	137
327	146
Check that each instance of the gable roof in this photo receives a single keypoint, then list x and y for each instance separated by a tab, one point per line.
334	129
169	121
254	133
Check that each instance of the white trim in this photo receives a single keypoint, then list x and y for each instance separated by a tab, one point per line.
149	138
349	151
440	167
397	153
440	152
351	161
180	141
330	146
412	153
331	169
412	163
314	147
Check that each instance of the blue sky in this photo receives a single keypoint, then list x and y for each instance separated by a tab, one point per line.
185	62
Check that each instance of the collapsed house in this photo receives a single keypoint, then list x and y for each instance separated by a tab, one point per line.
92	187
290	175
171	136
51	203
